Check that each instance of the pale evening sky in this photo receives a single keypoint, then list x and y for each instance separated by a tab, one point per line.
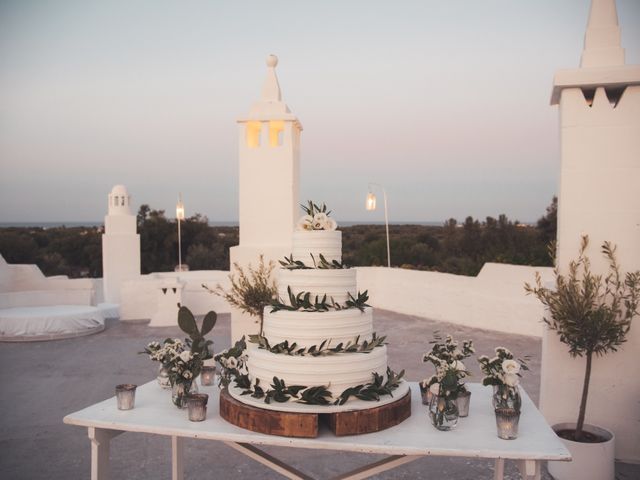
446	103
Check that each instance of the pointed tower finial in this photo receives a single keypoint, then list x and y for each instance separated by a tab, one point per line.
271	88
602	46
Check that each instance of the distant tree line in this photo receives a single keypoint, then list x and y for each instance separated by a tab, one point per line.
460	248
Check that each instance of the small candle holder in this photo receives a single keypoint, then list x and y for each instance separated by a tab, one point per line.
463	403
126	396
426	394
197	406
207	376
507	423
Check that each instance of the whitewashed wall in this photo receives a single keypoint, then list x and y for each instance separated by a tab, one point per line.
26	286
139	299
494	300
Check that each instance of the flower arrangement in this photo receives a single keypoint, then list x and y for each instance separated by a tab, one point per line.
233	363
316	218
503	371
183	360
447	358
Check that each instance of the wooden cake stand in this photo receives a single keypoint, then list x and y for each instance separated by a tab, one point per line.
305	425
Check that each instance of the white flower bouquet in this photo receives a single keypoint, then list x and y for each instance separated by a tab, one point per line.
503	372
316	218
447	359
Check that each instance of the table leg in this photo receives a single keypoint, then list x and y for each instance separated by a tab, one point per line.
375	468
100	443
529	469
177	455
499	470
267	460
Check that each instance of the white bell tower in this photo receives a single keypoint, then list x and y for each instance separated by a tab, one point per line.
120	245
599	196
269	164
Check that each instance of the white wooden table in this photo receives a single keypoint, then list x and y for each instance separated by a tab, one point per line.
475	435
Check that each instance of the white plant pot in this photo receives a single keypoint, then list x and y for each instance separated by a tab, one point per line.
591	461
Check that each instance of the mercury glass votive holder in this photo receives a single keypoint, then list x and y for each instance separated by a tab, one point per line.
463	403
207	376
426	395
126	396
197	406
507	423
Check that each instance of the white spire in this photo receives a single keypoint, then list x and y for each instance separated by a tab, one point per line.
602	46
271	88
270	105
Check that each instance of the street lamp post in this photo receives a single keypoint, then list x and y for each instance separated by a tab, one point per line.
371	205
179	218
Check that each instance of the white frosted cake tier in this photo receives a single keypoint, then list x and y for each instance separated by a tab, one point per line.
336	372
336	284
316	242
312	328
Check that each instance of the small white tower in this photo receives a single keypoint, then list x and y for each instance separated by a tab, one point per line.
599	196
269	161
120	245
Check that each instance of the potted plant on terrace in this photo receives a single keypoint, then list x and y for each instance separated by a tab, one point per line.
592	315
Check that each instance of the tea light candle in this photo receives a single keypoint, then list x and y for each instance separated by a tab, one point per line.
507	423
126	396
197	406
207	375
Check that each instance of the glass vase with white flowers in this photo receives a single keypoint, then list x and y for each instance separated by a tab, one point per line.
447	386
184	360
503	372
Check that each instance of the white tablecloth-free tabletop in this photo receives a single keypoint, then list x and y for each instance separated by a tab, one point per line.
475	435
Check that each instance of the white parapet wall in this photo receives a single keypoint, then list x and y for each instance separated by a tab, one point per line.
23	285
139	297
494	300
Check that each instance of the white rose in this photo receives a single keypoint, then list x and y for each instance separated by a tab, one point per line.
330	224
187	374
510	366
511	379
232	362
304	222
435	389
186	356
320	218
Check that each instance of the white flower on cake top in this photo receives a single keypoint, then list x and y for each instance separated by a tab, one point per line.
316	218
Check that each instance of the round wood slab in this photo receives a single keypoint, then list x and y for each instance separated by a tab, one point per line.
305	425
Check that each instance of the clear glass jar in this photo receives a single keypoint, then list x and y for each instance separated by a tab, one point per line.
179	392
505	396
163	377
443	412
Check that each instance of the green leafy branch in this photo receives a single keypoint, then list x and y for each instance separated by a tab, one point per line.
322	263
303	301
323	349
320	395
312	208
374	390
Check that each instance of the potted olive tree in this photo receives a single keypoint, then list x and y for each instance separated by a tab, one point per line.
592	315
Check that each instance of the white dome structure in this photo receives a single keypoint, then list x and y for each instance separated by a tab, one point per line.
119	201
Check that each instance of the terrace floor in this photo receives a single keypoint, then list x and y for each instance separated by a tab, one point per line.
43	381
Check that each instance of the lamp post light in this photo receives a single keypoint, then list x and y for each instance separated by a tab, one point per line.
179	218
371	205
